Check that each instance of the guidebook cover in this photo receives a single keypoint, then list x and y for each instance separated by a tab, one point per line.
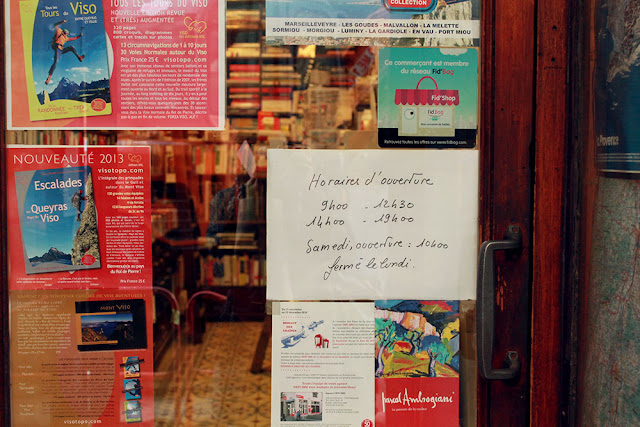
111	325
58	219
417	362
65	54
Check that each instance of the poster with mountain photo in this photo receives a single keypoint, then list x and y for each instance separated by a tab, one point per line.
58	219
66	59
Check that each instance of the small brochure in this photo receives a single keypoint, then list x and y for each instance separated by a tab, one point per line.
329	357
132	411
58	219
374	23
65	59
131	366
428	97
322	364
115	64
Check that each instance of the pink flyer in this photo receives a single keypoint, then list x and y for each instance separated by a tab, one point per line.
116	64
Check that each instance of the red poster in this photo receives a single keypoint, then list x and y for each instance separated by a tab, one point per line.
80	285
417	363
116	64
417	401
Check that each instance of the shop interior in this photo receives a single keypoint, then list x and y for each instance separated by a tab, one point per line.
208	212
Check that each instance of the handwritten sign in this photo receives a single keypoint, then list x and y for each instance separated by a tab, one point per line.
371	224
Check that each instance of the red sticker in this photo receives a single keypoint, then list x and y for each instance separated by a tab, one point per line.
88	259
98	104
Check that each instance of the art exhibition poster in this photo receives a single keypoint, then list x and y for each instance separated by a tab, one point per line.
348	362
80	284
374	22
115	64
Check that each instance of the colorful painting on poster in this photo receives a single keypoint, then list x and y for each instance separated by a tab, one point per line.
428	97
374	22
417	362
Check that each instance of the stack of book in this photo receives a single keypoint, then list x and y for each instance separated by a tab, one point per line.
243	19
163	219
236	241
276	52
244	50
244	123
243	74
276	99
233	270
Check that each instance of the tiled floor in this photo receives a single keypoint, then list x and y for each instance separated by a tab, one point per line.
210	384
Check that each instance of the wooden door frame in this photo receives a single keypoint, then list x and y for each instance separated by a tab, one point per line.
524	145
524	111
4	302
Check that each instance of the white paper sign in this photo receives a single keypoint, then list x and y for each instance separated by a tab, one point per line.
371	224
323	364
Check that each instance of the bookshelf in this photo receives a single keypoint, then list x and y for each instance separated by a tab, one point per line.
208	220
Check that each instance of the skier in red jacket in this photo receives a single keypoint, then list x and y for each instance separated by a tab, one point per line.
60	37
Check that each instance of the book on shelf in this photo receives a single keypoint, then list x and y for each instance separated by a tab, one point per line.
244	123
61	137
276	52
164	217
276	104
244	96
278	68
243	74
244	67
236	241
245	104
260	152
221	158
243	80
204	159
268	121
169	165
280	75
306	51
243	50
241	90
243	17
233	270
277	90
282	81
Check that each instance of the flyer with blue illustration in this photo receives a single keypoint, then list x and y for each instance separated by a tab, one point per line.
428	97
65	55
374	22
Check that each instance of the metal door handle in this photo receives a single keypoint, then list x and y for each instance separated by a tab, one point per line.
486	302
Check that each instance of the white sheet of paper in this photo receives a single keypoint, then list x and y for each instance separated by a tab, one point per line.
323	363
371	224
